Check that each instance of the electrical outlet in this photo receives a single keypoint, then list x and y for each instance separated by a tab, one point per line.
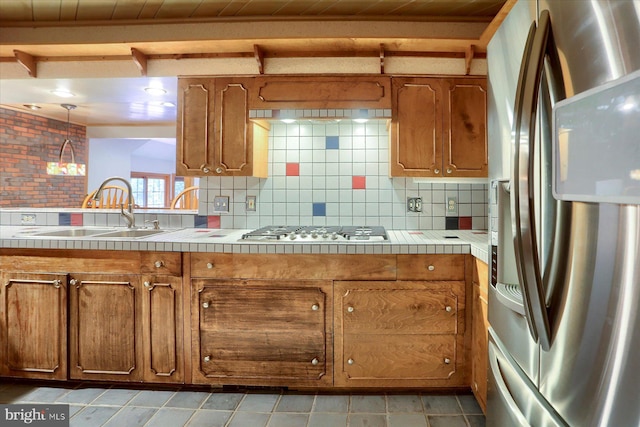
251	204
221	204
414	204
452	205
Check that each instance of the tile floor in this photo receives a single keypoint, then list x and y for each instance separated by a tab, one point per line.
94	406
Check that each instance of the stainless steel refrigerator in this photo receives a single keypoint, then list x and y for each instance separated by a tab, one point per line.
564	164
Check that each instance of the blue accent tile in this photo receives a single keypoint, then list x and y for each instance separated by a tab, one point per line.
64	218
319	209
333	142
200	221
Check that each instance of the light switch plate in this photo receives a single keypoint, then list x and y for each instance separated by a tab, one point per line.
221	204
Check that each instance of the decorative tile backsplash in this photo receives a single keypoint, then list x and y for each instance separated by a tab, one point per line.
336	173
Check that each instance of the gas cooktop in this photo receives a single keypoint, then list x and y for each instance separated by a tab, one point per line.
299	233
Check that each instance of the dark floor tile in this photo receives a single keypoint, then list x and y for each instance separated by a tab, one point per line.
447	421
476	420
295	403
223	401
288	420
93	416
368	404
151	398
407	420
14	392
441	405
367	420
187	399
246	419
130	416
206	418
469	404
330	403
170	417
257	402
115	397
404	403
324	419
44	395
81	395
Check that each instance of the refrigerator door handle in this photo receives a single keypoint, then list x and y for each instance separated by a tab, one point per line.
527	257
503	390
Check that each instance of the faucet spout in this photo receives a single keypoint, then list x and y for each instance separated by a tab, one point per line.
128	214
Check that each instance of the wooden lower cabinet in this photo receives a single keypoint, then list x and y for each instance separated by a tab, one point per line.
262	332
480	336
399	334
33	325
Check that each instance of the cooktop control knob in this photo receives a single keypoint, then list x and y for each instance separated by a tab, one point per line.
334	236
314	235
292	236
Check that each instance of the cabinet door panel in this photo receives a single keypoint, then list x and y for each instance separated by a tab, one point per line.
195	131
236	144
103	327
34	323
466	119
162	313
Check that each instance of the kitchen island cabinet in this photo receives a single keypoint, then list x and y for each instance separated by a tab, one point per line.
438	127
480	333
214	133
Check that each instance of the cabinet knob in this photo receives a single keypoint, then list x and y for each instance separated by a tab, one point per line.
219	170
449	170
315	307
350	361
209	265
147	284
205	305
350	309
315	361
57	283
158	264
447	361
73	282
207	358
205	169
436	171
431	268
448	309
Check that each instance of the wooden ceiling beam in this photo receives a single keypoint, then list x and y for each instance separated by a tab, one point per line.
140	59
468	57
259	55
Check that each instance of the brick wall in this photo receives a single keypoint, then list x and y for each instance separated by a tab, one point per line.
27	143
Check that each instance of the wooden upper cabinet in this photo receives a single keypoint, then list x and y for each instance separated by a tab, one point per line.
438	127
465	124
214	133
299	92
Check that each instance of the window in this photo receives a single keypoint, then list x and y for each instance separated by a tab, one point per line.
151	190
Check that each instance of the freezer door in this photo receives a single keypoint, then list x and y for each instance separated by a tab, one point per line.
512	399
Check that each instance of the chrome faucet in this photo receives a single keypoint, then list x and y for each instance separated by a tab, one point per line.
128	214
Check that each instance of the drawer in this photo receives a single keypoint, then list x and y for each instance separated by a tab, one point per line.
431	267
161	263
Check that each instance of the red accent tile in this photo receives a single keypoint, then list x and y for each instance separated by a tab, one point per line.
416	232
76	219
213	221
359	182
293	169
465	223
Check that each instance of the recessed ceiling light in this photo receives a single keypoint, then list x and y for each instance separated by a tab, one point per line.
288	121
32	106
63	93
155	90
361	120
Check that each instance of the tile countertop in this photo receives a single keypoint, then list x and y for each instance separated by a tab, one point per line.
475	242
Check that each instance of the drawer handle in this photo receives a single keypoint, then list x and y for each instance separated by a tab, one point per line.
431	268
315	361
350	309
57	283
209	265
158	264
73	282
207	358
147	284
448	309
315	307
205	305
350	361
447	361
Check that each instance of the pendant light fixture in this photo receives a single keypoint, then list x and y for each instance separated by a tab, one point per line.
60	167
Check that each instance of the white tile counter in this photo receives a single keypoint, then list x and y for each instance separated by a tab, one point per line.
229	241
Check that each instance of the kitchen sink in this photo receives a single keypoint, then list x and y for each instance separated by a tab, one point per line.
73	232
131	233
